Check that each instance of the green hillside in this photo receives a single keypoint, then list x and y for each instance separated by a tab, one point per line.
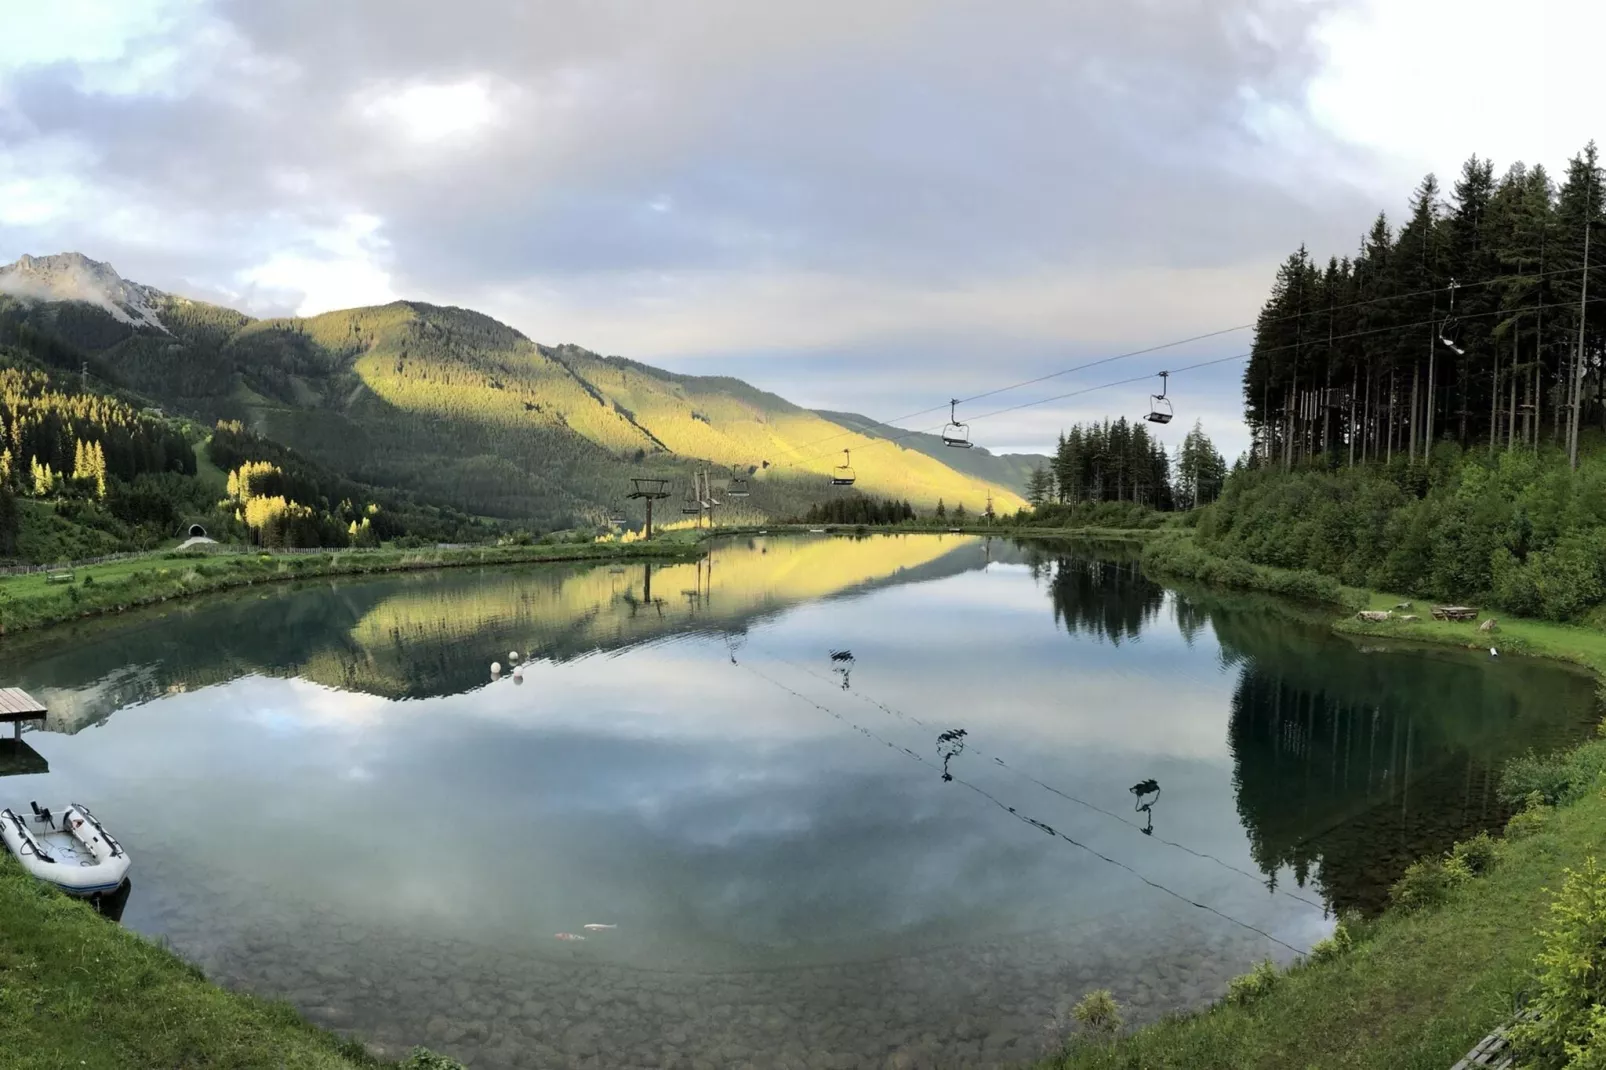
1009	470
461	410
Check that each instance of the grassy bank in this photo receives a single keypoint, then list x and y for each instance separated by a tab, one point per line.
79	991
33	600
1419	989
1178	554
1416	992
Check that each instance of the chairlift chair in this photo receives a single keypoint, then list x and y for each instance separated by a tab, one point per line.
737	488
955	433
1160	411
842	475
1449	333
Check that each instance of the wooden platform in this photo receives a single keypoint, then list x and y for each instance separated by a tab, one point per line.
17	706
1493	1051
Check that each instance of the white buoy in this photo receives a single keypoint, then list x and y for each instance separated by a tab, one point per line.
512	655
1493	653
496	668
518	677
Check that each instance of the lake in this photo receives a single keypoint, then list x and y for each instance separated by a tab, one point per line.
914	853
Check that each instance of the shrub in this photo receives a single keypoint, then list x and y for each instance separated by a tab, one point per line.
1530	819
1425	883
1333	947
1098	1015
1557	778
89	581
424	1059
1477	855
1570	1030
1255	984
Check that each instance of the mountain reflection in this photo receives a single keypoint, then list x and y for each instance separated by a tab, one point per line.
428	635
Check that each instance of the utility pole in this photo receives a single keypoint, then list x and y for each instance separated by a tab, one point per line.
1583	307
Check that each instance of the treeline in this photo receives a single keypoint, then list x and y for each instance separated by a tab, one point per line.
1522	532
859	509
1118	461
1463	324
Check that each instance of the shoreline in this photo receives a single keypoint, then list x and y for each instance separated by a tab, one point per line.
32	602
1417	988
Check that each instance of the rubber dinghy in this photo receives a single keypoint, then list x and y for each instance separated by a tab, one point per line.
74	852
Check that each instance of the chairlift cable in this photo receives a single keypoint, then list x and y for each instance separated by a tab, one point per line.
1024	818
1206	856
1206	336
1205	364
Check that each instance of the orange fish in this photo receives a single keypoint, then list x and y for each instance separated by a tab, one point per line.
568	936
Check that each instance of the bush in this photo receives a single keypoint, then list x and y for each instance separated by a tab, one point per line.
1253	985
1426	882
1333	947
1570	1030
1530	819
424	1059
1557	778
1098	1015
1476	855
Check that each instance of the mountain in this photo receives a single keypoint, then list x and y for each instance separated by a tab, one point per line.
1002	469
75	277
459	409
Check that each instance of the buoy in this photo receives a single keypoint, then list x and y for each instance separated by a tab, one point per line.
496	668
1493	653
512	655
518	677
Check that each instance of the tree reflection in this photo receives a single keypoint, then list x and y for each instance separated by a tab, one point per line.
1349	763
1105	599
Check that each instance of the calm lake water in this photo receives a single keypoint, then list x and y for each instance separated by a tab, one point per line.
329	799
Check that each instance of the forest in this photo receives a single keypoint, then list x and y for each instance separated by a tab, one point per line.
1417	410
1119	461
1468	323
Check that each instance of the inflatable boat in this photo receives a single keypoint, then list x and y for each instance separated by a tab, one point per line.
73	851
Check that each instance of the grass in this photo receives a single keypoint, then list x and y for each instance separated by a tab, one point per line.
1420	988
1416	992
79	991
1511	635
28	601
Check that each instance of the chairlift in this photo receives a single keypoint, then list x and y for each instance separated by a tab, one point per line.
618	520
737	487
842	475
1449	332
1160	411
955	433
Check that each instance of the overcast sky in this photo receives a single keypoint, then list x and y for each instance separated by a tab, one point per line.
868	205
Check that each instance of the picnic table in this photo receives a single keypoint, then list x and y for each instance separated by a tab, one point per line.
1454	613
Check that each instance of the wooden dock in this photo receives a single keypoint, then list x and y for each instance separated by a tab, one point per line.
17	706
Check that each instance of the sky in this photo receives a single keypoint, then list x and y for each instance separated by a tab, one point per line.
869	206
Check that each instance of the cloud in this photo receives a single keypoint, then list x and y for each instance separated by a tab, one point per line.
724	184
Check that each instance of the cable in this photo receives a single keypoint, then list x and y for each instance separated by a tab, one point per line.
1224	360
1257	878
1025	819
1199	338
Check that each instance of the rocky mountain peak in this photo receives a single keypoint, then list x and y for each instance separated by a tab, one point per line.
75	277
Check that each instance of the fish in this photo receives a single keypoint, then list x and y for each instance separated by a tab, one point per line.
568	936
599	927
